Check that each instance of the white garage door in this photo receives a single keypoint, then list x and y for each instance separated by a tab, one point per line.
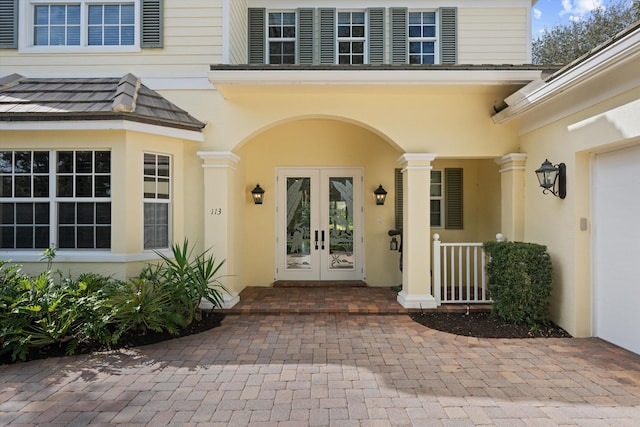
616	199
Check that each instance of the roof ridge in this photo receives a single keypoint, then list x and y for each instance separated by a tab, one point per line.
126	95
11	80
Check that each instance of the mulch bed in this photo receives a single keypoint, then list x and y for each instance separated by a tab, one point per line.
484	325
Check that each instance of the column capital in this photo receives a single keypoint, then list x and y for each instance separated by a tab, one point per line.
417	160
512	161
218	159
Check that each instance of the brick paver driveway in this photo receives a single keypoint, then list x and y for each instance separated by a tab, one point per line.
328	369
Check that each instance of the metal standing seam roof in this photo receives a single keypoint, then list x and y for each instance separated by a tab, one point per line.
109	98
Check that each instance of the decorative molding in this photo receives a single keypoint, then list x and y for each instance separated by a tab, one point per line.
416	301
510	159
84	125
218	159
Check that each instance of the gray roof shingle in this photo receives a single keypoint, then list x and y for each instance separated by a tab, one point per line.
109	98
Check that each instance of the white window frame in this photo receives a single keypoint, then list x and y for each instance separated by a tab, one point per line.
270	39
364	39
435	39
54	200
26	28
440	197
156	200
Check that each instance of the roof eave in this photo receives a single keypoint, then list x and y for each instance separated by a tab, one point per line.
225	77
620	49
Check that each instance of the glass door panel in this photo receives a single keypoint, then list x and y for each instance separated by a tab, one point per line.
340	253
298	223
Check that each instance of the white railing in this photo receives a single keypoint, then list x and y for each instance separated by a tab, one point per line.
459	272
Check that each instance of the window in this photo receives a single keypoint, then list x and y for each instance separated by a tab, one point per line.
56	25
69	206
157	200
282	38
436	198
422	37
82	23
351	37
111	25
446	199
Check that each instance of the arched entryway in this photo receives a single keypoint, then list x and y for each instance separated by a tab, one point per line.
326	170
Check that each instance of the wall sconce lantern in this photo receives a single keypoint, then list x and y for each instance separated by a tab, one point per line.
258	195
381	195
549	175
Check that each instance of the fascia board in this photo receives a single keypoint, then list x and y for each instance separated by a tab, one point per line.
74	125
537	93
222	78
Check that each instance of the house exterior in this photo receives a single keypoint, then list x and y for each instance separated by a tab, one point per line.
319	102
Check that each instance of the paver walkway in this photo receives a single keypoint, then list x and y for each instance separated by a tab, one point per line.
330	369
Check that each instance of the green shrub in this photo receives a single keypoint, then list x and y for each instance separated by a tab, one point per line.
37	312
141	305
520	280
188	279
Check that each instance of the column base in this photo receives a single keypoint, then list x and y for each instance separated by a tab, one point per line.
228	300
416	301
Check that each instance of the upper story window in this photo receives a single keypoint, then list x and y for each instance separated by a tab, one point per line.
422	37
376	35
56	25
282	38
43	26
111	25
351	37
86	23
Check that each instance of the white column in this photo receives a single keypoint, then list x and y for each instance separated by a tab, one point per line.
219	216
416	242
512	169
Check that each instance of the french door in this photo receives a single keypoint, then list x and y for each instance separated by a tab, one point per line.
319	224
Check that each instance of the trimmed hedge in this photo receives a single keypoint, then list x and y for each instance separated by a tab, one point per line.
520	281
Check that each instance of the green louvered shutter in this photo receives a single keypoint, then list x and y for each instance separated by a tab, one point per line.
8	24
453	199
376	36
448	35
257	22
305	36
399	195
399	28
151	34
327	36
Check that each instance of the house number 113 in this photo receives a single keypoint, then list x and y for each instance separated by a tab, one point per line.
216	211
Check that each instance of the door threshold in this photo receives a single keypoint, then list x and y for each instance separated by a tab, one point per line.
319	284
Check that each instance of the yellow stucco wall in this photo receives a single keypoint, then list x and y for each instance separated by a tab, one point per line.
449	121
555	222
321	142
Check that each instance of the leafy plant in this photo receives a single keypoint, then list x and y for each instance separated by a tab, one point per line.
37	312
188	278
140	305
520	281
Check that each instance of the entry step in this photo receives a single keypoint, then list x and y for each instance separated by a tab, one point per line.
319	284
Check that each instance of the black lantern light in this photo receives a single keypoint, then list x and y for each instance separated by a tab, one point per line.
549	175
258	195
381	195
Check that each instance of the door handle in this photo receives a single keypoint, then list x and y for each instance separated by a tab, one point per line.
316	242
323	240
